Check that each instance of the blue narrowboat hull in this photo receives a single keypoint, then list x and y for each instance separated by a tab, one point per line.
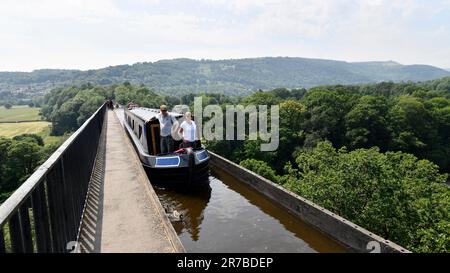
174	168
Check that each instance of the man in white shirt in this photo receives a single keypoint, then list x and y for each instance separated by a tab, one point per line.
188	130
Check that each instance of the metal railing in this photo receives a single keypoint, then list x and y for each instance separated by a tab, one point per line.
44	213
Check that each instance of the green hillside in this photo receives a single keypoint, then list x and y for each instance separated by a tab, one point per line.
234	77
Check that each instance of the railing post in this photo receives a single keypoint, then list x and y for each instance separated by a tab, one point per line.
15	234
25	227
56	207
68	203
2	241
41	220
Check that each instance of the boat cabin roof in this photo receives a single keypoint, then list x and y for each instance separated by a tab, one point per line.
147	113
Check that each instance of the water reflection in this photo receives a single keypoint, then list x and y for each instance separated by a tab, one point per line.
189	202
225	215
311	236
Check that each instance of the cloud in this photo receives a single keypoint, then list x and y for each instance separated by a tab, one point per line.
58	9
87	34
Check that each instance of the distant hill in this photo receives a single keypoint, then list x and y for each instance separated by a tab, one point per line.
235	76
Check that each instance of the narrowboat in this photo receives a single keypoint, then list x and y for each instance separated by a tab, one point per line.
184	165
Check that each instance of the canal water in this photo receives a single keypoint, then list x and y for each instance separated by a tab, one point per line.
226	215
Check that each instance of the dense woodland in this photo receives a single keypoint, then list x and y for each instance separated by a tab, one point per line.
376	154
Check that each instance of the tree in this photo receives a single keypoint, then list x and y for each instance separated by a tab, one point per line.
298	93
292	115
89	106
394	194
30	137
252	149
8	105
439	109
65	118
282	93
412	126
367	123
261	98
326	108
172	101
5	143
23	158
122	95
261	168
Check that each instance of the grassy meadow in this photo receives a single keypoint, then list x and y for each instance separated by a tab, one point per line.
22	119
19	113
13	129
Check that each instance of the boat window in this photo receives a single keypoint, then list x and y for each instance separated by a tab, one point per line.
140	132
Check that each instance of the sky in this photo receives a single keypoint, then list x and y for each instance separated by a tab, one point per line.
90	34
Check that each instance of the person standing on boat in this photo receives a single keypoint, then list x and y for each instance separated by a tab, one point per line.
166	121
188	129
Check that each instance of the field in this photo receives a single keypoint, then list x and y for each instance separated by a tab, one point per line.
25	120
14	129
19	114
